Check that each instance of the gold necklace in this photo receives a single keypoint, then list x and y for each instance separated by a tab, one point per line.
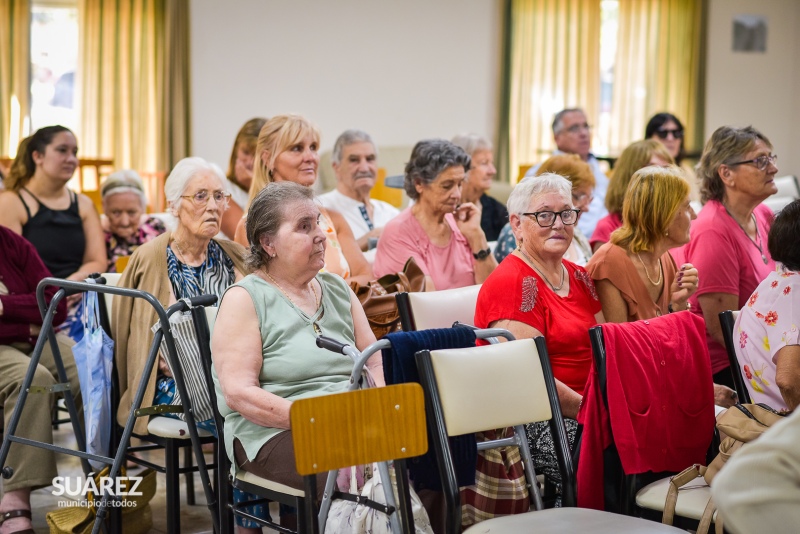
660	271
182	255
314	325
530	261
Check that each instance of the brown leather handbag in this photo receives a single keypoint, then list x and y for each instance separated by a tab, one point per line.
378	297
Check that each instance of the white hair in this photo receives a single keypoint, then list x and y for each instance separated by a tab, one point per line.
530	188
123	181
471	143
183	173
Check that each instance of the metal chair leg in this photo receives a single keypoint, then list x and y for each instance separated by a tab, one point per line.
187	463
172	463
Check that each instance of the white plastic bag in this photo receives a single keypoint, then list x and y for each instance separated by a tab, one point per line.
349	517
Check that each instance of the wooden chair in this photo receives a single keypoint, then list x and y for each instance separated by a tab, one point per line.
727	320
471	390
437	309
355	428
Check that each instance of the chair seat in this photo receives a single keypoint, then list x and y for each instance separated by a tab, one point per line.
168	427
692	498
569	520
250	478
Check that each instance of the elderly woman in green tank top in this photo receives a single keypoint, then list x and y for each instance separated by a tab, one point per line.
264	343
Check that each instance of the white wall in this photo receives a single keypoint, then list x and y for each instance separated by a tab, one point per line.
401	70
762	89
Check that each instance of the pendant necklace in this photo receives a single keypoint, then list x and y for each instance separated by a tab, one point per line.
756	242
314	325
542	274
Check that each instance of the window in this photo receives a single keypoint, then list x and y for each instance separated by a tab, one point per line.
54	61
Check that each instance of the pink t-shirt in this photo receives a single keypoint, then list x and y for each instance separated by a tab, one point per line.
765	325
403	237
604	228
727	261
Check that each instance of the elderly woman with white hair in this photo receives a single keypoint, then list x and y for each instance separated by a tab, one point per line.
478	182
184	263
125	224
536	292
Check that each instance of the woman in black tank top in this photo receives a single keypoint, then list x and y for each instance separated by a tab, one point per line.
63	226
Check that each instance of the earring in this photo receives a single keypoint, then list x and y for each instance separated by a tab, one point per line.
270	173
274	255
519	244
666	233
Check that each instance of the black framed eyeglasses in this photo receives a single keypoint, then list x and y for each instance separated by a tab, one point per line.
200	199
546	219
677	133
761	162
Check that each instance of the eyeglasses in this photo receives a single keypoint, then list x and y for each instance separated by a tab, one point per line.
761	162
575	128
676	133
200	199
546	219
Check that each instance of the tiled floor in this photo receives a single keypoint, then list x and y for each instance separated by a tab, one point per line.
194	519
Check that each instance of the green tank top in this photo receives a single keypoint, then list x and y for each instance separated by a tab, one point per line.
294	367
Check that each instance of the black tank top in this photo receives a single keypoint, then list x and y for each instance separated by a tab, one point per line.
57	236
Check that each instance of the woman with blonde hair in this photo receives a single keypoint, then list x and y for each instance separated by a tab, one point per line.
288	150
634	273
634	157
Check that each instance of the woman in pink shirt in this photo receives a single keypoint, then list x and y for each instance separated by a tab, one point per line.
443	235
728	243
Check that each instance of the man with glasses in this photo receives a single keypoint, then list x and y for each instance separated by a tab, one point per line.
573	135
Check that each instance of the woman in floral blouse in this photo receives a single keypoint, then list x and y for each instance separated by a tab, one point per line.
125	224
766	331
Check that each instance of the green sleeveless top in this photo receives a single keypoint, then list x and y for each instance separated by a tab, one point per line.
294	367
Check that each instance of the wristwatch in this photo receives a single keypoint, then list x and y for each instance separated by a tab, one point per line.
482	254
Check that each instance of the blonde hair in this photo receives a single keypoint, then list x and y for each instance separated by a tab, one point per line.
278	134
571	167
633	158
654	196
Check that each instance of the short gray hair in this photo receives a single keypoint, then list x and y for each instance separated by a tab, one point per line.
429	159
183	173
471	142
558	120
350	137
532	187
123	181
266	214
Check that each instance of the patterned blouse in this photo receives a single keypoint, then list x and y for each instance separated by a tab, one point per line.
117	247
766	324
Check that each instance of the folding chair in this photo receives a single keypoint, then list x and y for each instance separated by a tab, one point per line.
651	498
726	321
437	309
47	334
356	428
471	390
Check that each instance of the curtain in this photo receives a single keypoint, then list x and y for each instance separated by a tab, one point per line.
554	64
659	67
15	84
134	83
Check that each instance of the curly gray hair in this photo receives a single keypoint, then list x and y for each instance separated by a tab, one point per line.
429	159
